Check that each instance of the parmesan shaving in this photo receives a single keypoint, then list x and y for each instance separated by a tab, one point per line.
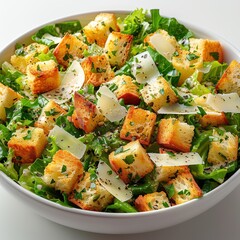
176	159
109	106
112	183
224	102
48	36
66	141
177	108
164	47
144	68
72	81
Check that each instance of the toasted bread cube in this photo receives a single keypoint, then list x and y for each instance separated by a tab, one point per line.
126	89
63	172
86	115
29	56
43	76
69	49
117	48
89	194
230	80
50	112
138	124
158	94
213	119
7	98
175	135
187	65
97	31
185	188
162	42
223	149
209	50
152	201
131	162
27	144
166	173
97	70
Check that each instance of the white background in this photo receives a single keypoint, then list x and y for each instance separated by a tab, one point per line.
16	17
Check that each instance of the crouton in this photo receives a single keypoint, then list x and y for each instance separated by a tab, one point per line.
86	115
43	76
126	89
97	31
230	80
209	50
175	135
131	162
187	63
223	148
185	188
28	56
63	172
213	119
48	116
166	173
7	98
117	48
69	49
152	201
162	42
97	70
138	124
88	194
158	94
27	144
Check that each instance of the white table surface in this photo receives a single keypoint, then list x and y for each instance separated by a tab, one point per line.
16	17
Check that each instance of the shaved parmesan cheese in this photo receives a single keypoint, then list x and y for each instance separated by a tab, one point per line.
66	141
112	183
162	45
72	81
109	106
144	68
176	159
178	109
56	40
224	102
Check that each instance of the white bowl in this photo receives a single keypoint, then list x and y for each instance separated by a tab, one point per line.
119	223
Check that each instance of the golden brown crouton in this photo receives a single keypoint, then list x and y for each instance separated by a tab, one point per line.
158	94
63	172
213	119
43	76
131	162
97	70
209	50
69	49
185	188
166	173
175	135
88	194
48	116
86	115
7	98
152	201
126	89
187	63
97	31
223	148
117	48
162	42
27	144
28	56
138	124
230	80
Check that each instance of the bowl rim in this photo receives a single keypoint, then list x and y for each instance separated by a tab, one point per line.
197	30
